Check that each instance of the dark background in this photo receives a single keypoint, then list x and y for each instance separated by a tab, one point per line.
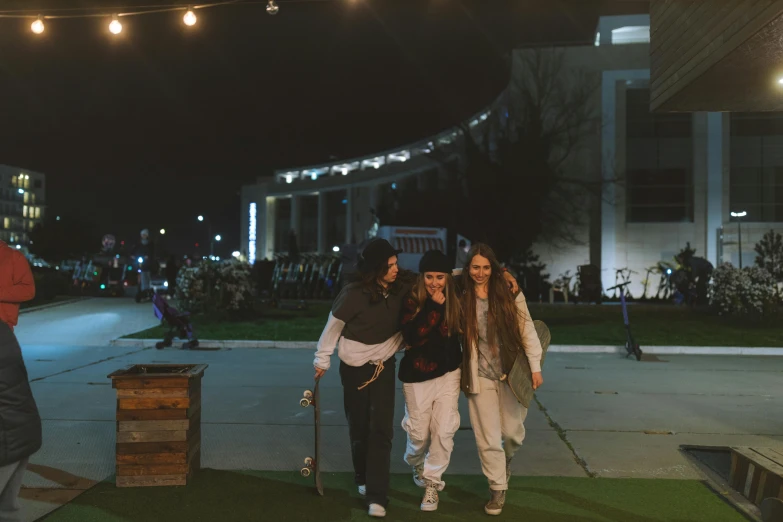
164	122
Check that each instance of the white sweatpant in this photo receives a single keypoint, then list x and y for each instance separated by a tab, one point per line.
431	420
498	420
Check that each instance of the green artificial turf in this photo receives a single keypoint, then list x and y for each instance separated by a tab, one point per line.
652	325
285	496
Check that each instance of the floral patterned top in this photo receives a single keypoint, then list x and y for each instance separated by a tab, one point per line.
432	351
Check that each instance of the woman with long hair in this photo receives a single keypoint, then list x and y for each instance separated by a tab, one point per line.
430	372
499	334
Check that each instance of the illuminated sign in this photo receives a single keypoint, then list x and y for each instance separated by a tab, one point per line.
251	248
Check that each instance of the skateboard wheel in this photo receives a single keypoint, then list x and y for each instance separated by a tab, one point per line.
307	394
308	461
305	472
304	403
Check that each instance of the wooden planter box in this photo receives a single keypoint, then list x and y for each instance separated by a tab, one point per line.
158	423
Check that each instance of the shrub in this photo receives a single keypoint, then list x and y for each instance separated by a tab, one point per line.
748	292
215	287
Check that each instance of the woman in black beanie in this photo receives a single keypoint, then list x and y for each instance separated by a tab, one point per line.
430	372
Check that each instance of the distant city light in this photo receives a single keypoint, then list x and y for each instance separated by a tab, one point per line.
18	247
272	8
335	248
739	214
21	191
141	260
218	238
235	254
201	218
162	231
394	186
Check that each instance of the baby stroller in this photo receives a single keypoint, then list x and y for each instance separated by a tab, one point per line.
178	322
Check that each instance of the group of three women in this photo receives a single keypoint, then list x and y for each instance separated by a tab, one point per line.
463	332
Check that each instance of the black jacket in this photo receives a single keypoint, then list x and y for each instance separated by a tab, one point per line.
20	423
433	352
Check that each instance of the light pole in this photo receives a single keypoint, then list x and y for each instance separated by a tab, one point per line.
201	218
739	216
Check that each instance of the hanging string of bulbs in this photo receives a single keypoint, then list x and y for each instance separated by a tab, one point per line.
189	17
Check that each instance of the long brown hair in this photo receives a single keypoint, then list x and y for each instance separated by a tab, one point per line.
453	306
369	279
504	317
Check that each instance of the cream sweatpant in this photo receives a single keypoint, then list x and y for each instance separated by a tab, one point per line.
431	420
498	420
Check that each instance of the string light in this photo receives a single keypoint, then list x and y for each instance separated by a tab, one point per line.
189	18
38	26
115	26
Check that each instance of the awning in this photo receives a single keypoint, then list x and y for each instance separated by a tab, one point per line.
418	245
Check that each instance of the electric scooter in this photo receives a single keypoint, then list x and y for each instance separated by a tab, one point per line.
631	346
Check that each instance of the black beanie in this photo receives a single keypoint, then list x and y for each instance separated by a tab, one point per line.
435	261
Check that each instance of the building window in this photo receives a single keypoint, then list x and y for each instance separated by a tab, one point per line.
756	178
24	211
37	212
6	223
659	157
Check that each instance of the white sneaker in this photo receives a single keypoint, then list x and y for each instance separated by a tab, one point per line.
376	510
430	500
417	478
362	490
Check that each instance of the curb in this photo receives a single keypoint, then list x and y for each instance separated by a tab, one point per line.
52	305
555	348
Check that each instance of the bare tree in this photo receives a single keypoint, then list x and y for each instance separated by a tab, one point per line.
531	174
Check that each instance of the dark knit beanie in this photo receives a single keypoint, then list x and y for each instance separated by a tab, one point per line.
435	261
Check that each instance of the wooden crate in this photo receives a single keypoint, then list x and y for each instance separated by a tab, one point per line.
158	423
757	473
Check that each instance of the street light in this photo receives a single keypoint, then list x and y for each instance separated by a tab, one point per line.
202	219
218	238
162	231
739	216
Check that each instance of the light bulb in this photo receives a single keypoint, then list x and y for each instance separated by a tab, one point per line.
189	18
115	26
272	7
37	26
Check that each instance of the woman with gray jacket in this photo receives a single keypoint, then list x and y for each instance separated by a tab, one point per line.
498	329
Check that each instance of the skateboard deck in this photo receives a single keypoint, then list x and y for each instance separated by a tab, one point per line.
311	464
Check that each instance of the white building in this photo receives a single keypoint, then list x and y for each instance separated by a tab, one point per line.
682	175
22	203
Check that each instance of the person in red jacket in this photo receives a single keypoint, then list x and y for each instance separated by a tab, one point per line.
20	422
16	284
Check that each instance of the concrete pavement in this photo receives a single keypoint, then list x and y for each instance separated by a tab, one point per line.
599	414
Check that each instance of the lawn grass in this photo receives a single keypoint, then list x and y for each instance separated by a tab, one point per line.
652	325
273	325
229	496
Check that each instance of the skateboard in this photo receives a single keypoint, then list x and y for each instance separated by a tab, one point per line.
311	466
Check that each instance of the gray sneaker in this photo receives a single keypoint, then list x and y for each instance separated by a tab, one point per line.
417	478
496	502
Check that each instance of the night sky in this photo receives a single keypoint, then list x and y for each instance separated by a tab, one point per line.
166	122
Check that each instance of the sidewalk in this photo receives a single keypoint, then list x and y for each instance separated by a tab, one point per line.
598	415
